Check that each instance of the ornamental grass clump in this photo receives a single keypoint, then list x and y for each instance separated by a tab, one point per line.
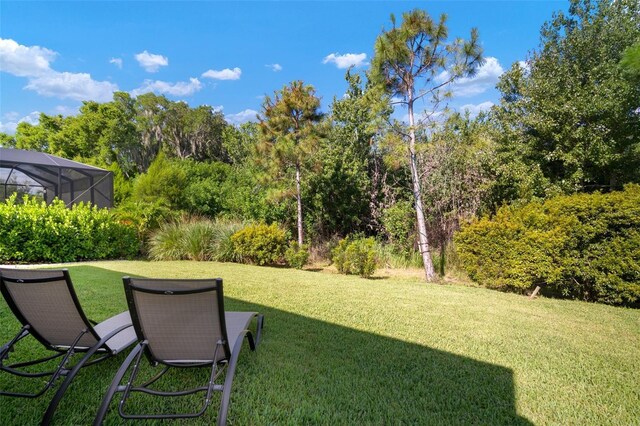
194	239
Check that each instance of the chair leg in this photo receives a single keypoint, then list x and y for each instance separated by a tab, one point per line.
4	350
259	327
60	371
48	415
228	381
115	383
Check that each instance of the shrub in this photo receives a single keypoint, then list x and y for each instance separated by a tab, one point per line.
297	255
355	256
584	246
260	244
32	231
398	222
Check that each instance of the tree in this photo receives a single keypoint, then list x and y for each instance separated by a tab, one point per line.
340	192
631	61
456	176
290	134
570	116
415	61
194	133
7	140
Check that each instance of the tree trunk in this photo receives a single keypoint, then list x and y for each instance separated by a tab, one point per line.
299	199
423	242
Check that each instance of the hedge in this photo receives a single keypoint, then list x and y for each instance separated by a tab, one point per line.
32	231
584	246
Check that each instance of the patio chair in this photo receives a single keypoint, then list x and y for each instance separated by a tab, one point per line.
182	324
46	304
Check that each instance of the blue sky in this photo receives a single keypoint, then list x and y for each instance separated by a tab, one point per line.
53	55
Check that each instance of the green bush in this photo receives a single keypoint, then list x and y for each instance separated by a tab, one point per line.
584	246
32	231
165	181
398	221
355	256
260	244
297	255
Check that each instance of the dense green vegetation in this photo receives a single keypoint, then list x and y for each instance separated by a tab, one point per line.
344	350
568	122
32	231
585	246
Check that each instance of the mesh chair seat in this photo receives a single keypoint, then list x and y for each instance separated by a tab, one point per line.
122	340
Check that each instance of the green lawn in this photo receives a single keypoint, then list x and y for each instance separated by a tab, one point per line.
345	350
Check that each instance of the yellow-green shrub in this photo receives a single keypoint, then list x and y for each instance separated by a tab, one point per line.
260	244
585	246
296	255
355	256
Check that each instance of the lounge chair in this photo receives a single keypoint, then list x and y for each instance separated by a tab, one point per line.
46	304
182	323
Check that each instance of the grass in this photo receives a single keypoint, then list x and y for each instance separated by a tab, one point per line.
344	350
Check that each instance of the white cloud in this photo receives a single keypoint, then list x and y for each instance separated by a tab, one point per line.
151	62
10	121
525	66
65	110
77	86
116	61
34	62
475	109
242	117
346	60
180	88
24	61
485	78
225	74
274	67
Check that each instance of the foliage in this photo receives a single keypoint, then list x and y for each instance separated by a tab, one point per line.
128	132
568	119
399	226
194	238
204	191
388	256
456	177
239	142
296	256
289	136
585	246
340	193
355	256
630	62
32	231
260	244
164	182
166	243
145	216
414	61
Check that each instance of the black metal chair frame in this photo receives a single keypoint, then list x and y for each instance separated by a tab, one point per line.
227	364
63	369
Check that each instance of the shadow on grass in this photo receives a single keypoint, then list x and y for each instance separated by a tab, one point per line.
308	371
